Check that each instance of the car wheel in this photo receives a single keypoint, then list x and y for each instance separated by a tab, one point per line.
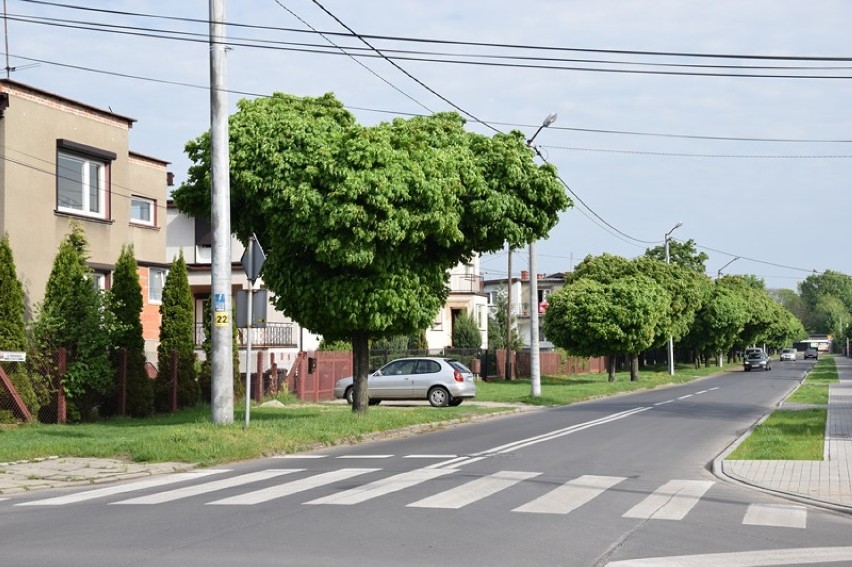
349	394
439	397
456	401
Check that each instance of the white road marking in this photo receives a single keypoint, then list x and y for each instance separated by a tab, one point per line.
570	495
672	501
300	456
778	515
763	558
364	457
474	490
301	485
122	488
664	403
381	487
430	456
684	397
195	490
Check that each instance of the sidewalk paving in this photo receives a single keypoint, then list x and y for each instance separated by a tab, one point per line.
825	483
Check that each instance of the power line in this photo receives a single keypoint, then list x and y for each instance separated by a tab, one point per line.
683	154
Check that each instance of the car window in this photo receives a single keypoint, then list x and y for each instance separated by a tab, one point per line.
428	367
459	366
754	355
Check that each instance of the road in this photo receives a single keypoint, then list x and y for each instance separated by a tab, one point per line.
603	483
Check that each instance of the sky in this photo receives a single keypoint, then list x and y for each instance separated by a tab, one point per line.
665	111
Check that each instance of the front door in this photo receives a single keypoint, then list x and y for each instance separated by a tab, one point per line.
394	380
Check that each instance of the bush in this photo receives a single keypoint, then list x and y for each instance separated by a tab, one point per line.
466	332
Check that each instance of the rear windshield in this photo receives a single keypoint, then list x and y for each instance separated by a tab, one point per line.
459	366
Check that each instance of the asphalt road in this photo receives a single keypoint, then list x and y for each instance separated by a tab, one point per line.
620	481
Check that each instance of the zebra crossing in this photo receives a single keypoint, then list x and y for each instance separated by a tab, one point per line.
672	501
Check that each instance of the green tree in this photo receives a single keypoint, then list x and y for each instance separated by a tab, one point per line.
362	224
76	315
177	333
498	323
126	303
589	318
13	328
682	254
466	333
719	323
828	283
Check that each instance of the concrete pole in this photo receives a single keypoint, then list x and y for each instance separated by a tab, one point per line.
670	350
508	373
535	369
222	360
250	270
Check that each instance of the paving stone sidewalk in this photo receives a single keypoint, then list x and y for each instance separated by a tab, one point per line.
827	482
55	472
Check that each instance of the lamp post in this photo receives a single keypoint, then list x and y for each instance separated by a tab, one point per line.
535	370
719	271
669	261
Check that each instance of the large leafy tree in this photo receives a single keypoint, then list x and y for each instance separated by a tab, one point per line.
177	333
362	224
590	318
126	303
680	253
719	323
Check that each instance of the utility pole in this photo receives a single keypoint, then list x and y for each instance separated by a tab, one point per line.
222	359
509	319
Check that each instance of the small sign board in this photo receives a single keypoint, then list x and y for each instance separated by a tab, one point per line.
12	356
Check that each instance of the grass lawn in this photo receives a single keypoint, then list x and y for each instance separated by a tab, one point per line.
786	435
189	436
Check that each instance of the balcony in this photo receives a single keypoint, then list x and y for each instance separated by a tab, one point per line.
273	335
466	283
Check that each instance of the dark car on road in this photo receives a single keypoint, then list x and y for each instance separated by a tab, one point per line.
812	353
756	361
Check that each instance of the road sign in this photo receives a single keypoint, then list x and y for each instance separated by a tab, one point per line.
12	356
253	259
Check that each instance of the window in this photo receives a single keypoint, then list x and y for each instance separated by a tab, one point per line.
82	179
142	210
99	280
156	279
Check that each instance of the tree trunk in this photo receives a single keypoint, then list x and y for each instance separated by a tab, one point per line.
610	367
634	368
360	370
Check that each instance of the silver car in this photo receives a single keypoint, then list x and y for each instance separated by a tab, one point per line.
441	381
788	354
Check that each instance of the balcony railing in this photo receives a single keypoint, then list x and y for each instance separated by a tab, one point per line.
273	335
465	283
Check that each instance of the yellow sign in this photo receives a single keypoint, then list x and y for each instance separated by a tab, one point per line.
221	319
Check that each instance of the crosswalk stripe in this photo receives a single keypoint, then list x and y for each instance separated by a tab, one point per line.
301	485
381	487
195	490
474	490
122	488
672	501
570	495
777	515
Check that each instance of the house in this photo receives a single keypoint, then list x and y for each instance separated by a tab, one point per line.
520	293
282	338
65	161
466	296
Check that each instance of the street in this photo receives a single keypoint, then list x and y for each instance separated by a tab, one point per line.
608	482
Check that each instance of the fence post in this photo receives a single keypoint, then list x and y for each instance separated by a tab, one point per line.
258	378
174	375
273	375
61	402
122	381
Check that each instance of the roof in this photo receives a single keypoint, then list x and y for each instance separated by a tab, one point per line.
14	86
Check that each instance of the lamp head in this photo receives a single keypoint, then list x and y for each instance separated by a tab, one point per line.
551	118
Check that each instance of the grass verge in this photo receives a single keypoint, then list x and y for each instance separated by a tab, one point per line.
791	434
189	436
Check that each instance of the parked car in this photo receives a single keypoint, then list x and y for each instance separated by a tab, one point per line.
441	381
756	361
812	353
788	354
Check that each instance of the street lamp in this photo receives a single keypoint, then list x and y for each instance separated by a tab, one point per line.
669	261
535	369
719	271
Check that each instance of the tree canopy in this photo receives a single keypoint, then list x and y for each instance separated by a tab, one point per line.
361	224
681	253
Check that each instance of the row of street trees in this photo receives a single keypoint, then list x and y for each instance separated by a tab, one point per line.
94	327
611	306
